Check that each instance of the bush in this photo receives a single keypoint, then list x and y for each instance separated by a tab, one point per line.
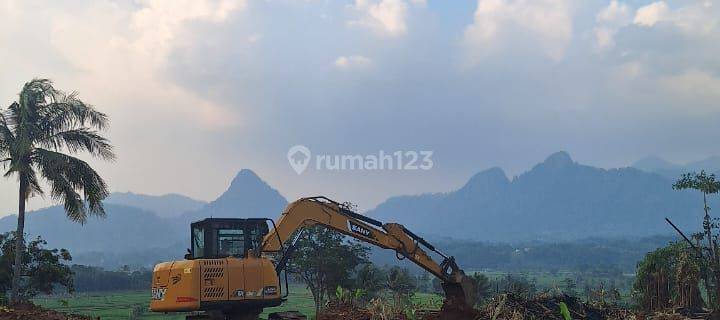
43	270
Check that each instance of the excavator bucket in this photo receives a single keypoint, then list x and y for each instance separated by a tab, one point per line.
460	298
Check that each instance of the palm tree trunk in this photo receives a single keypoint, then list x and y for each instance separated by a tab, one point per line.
19	244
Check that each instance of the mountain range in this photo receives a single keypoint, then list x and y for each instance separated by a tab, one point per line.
165	206
558	199
672	170
142	229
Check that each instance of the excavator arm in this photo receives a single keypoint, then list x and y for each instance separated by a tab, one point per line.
306	212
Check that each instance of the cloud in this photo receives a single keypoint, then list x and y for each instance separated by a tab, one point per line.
693	85
108	43
643	29
386	17
693	17
609	20
649	15
254	38
352	62
157	23
615	13
693	28
547	24
229	84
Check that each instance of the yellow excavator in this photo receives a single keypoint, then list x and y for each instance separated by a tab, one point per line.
233	269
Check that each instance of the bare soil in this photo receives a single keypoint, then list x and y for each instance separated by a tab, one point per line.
511	307
336	310
29	311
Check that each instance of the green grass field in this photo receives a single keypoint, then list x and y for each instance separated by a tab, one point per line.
549	281
134	304
126	305
544	280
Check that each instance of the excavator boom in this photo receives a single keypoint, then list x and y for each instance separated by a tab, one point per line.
305	212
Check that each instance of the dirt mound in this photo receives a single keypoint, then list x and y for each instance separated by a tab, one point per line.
335	311
338	310
30	311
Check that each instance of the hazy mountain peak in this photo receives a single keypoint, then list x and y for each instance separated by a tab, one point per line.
247	196
652	163
246	184
560	158
246	177
490	178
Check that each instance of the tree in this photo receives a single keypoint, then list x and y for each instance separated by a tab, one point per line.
569	287
519	285
94	279
587	291
437	285
687	281
707	184
401	283
325	260
483	286
370	279
35	131
653	287
424	282
47	267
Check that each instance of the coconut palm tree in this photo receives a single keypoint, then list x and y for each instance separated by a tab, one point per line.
36	132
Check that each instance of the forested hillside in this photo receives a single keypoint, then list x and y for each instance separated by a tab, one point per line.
557	199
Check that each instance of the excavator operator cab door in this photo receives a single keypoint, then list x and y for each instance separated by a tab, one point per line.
215	238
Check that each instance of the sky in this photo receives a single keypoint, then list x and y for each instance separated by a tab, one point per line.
197	89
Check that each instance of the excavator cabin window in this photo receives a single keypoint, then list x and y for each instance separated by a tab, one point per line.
220	238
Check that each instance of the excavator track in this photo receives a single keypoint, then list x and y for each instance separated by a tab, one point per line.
216	315
287	315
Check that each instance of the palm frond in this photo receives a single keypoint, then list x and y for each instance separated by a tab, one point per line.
7	138
80	139
67	111
34	95
25	172
4	117
67	175
33	184
13	115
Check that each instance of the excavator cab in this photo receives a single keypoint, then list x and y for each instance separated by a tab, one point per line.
223	275
216	238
